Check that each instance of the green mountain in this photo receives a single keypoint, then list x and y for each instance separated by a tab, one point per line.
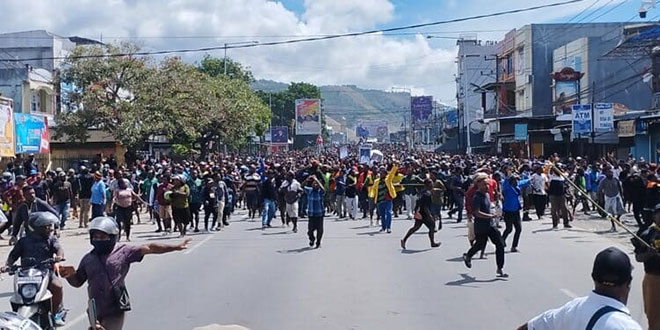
351	104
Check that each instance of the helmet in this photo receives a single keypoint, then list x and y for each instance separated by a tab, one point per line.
41	219
104	224
13	321
6	175
38	220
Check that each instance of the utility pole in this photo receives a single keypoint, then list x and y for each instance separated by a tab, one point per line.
254	42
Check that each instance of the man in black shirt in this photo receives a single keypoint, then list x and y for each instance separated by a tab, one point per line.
84	194
651	260
483	226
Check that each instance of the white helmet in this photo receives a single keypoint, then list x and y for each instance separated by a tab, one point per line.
104	224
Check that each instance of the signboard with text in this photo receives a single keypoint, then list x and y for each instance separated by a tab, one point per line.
581	118
308	116
604	117
31	133
7	147
421	108
520	132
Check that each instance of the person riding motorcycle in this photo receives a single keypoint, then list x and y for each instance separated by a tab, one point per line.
105	269
38	245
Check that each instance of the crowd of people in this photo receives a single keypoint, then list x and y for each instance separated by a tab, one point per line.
312	184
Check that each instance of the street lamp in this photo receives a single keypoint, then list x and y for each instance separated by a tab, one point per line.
254	42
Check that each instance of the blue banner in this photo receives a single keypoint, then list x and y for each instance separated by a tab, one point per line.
520	131
279	134
31	133
581	118
421	108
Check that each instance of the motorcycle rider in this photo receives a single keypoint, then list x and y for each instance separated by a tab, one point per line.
30	203
105	269
38	245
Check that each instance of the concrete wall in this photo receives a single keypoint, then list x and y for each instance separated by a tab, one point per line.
470	67
617	80
543	39
12	85
34	44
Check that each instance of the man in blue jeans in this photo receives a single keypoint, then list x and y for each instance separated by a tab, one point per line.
383	192
62	195
97	199
269	195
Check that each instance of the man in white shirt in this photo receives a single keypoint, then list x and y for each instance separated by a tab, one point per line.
292	191
539	184
604	308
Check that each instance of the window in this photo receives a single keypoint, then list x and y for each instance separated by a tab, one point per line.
520	61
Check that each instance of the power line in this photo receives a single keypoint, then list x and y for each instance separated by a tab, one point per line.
328	37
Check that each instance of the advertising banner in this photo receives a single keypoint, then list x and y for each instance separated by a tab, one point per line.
343	152
421	108
581	118
604	117
31	133
279	134
308	116
520	131
627	128
372	129
7	147
566	95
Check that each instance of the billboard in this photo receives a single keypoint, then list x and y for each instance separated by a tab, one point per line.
372	129
581	118
7	148
421	108
279	134
603	117
566	95
308	116
31	133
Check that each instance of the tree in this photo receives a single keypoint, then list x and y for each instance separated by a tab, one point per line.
105	78
119	93
215	67
284	103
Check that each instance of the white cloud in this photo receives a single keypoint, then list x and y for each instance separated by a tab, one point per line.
375	61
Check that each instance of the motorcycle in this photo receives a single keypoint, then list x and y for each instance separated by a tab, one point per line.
31	298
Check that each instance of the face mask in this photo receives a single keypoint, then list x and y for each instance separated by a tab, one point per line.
103	246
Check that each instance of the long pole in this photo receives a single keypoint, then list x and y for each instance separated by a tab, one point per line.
466	110
609	216
225	60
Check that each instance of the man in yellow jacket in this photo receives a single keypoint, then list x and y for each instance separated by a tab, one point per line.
383	192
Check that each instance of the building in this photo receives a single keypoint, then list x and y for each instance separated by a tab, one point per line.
475	68
542	70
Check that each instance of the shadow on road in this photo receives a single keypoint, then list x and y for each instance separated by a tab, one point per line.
278	233
255	228
361	227
408	251
370	233
467	279
300	250
542	230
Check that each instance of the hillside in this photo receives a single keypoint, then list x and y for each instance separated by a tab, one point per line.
355	104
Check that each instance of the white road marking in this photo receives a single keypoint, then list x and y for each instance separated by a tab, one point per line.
190	250
70	324
569	293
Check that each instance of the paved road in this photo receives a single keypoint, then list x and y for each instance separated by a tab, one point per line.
359	279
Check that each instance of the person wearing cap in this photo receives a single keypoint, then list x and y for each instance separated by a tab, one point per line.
484	227
603	308
648	254
98	198
62	195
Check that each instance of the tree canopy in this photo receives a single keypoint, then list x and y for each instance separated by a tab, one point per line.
132	98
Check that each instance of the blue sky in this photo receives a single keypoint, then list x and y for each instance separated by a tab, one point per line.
377	61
